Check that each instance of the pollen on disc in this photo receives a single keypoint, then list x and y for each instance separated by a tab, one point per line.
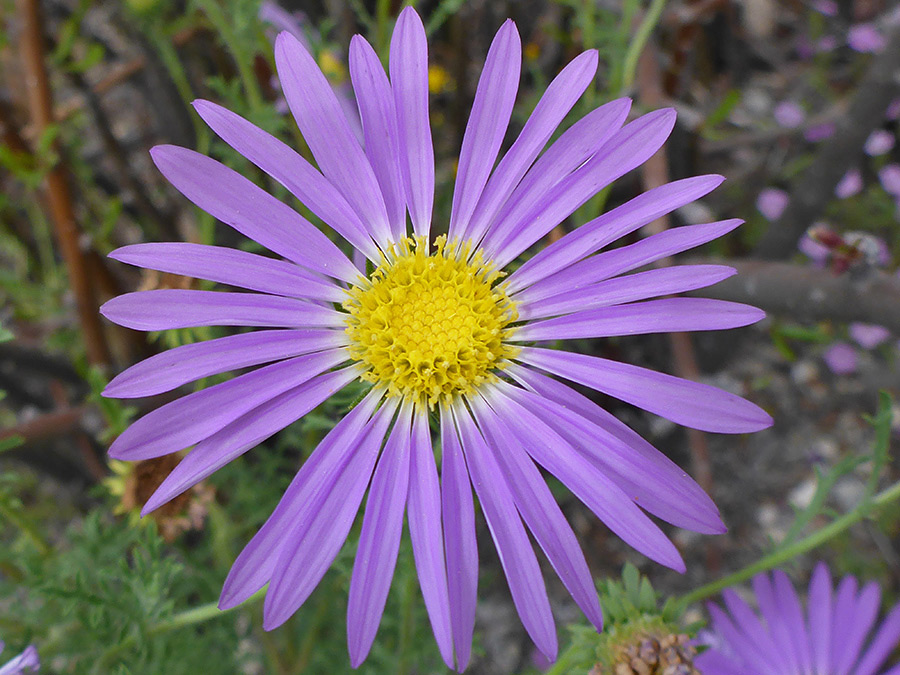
430	326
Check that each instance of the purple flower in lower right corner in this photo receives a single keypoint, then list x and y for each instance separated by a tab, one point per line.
838	635
27	661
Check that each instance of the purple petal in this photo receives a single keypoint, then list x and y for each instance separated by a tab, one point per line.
557	101
577	144
655	482
291	170
253	567
882	644
869	336
178	366
424	518
757	637
379	541
865	612
843	618
587	482
379	121
609	227
231	198
826	7
233	267
771	203
841	358
789	115
28	659
819	618
879	142
792	615
608	264
168	308
849	185
640	286
313	541
819	132
691	404
328	134
629	148
460	543
772	613
516	554
409	79
660	486
669	315
714	662
247	432
889	176
196	416
295	23
866	38
487	124
739	643
541	512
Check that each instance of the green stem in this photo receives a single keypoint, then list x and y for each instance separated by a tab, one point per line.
639	42
244	61
808	543
382	16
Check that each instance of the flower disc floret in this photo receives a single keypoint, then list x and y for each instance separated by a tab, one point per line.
430	327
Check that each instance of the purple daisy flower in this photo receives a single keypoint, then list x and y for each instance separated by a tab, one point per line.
27	661
436	327
837	635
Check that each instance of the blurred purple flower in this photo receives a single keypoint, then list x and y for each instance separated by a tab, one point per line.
851	184
434	328
826	7
889	177
869	336
771	203
841	358
879	142
827	43
789	115
819	132
864	37
27	661
838	633
297	24
817	252
893	110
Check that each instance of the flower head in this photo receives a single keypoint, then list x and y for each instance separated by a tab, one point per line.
431	325
27	661
836	634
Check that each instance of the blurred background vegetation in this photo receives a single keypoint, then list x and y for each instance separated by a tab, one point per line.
796	103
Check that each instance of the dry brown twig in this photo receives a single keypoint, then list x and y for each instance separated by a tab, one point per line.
40	103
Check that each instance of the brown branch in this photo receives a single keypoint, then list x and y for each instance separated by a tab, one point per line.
49	425
811	294
812	191
60	200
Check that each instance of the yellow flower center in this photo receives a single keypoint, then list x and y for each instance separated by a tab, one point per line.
430	327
